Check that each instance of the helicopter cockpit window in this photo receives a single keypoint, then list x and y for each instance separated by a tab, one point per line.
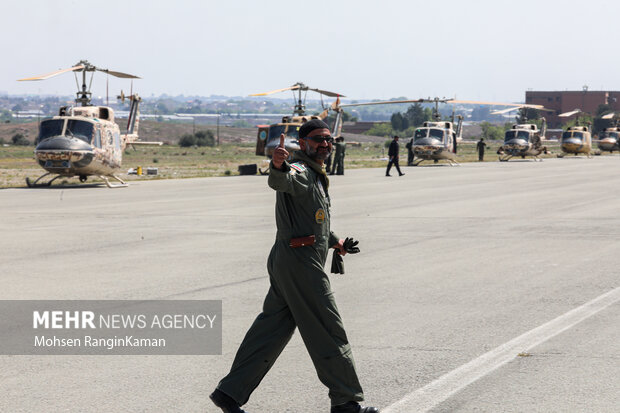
293	132
49	128
420	133
578	135
510	135
436	134
275	131
525	135
613	135
567	135
80	129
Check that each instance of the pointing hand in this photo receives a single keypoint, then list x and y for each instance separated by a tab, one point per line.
280	154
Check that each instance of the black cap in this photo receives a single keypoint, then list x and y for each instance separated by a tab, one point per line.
311	125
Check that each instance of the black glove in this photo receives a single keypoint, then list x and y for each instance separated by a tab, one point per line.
337	263
350	245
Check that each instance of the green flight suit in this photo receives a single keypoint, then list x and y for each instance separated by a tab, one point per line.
300	293
338	168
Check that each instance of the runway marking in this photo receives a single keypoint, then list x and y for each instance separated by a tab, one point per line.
429	396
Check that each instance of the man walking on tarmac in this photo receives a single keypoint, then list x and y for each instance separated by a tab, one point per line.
481	146
393	155
300	294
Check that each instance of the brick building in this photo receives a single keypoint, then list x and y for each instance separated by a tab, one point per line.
586	100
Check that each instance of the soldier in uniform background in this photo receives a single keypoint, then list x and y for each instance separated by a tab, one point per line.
300	294
481	146
393	155
340	148
328	163
409	147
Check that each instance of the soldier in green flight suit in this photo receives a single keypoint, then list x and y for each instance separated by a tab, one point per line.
340	147
300	295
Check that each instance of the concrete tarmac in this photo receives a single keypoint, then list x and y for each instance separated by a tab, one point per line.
455	262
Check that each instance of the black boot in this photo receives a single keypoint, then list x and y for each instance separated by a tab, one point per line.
225	402
353	407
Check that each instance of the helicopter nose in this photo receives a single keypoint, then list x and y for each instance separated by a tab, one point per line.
61	151
516	144
572	141
428	142
63	143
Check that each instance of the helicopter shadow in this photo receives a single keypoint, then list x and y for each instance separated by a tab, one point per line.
63	187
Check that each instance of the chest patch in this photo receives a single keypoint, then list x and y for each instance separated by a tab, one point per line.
319	217
299	167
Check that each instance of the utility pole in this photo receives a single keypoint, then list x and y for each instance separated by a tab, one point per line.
218	129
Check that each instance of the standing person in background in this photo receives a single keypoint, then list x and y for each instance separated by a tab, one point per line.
340	148
393	155
328	163
409	147
481	146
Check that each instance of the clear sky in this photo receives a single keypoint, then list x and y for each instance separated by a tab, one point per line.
477	49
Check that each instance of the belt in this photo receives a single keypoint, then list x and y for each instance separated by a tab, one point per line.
301	241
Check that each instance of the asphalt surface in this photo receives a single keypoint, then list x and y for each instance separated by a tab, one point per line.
455	262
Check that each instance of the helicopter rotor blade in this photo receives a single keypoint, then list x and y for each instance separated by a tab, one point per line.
385	102
118	74
518	105
609	115
52	74
294	87
499	112
567	114
327	93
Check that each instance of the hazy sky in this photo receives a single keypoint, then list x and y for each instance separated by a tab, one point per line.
484	50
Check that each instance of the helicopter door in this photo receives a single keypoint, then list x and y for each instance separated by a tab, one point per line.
261	139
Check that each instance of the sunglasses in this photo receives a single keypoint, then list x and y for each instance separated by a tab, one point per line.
321	139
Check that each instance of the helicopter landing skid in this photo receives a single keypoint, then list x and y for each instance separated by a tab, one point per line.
504	158
418	162
453	163
123	184
35	184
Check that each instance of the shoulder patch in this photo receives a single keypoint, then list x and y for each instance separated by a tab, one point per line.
298	166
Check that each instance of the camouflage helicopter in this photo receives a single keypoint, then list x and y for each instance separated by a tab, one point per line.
609	138
523	139
438	139
85	140
576	139
269	135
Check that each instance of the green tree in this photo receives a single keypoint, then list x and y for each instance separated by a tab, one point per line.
492	132
19	139
397	121
527	115
205	138
187	140
416	115
380	129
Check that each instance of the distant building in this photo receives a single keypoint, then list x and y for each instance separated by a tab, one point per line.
586	100
360	127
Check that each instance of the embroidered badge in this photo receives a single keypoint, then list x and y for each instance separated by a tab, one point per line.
299	167
319	217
